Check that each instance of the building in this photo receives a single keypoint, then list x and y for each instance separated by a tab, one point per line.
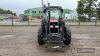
23	17
37	13
34	12
5	16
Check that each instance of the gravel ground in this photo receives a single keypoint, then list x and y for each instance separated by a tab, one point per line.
22	41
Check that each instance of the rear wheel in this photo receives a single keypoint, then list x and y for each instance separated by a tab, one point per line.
67	36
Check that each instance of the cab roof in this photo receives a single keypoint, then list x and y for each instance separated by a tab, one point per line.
58	7
54	7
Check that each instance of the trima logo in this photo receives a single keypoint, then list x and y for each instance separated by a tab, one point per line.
85	50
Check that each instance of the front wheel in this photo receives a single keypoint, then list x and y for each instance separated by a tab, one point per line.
40	37
67	36
40	42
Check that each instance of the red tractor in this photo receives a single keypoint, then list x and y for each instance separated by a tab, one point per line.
53	31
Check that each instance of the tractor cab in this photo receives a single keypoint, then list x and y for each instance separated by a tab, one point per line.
54	17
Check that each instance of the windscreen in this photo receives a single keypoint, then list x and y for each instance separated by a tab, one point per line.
55	14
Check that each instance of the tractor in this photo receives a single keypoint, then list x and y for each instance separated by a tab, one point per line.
53	33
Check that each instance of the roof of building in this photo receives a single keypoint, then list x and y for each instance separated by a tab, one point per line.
34	8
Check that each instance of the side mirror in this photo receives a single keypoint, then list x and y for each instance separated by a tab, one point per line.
62	10
44	10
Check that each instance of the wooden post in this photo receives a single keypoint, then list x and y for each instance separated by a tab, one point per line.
79	22
28	20
12	21
96	20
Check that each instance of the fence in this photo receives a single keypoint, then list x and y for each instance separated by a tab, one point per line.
19	22
94	21
35	21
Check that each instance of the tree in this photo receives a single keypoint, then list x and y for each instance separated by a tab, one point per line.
80	10
13	14
90	8
2	11
86	7
98	10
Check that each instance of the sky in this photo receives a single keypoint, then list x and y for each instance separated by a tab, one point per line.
18	6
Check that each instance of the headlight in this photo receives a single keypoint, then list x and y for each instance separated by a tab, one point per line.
57	26
51	26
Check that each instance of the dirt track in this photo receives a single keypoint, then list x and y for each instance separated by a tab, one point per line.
22	41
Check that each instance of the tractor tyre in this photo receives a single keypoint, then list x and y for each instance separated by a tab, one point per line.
40	37
67	36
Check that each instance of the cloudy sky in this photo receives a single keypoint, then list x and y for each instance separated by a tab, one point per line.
18	6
